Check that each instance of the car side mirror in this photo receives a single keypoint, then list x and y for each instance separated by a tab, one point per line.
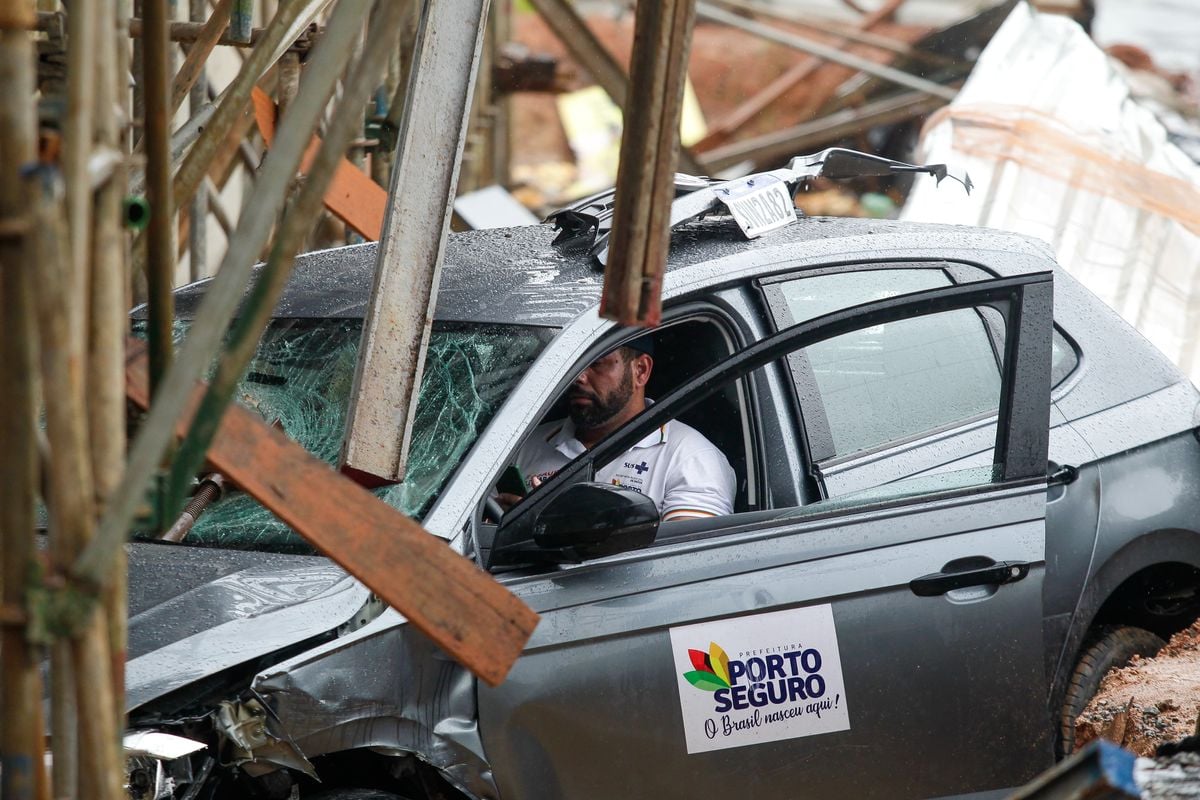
590	520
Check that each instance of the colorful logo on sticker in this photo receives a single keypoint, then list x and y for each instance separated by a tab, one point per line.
711	669
770	680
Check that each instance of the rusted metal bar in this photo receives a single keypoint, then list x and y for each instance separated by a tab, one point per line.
399	315
812	135
890	74
21	745
160	249
569	26
645	184
721	130
225	293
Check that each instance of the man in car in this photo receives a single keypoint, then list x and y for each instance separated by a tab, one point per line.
675	465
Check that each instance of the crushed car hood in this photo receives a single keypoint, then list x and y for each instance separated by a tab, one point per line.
194	612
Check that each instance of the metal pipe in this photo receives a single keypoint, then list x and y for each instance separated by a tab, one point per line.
226	291
828	53
211	488
243	19
160	250
193	69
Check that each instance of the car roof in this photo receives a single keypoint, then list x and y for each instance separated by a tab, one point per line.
515	275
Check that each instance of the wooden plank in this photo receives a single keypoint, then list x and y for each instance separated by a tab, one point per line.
645	175
352	196
461	608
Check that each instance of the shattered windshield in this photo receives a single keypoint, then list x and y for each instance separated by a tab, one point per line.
300	379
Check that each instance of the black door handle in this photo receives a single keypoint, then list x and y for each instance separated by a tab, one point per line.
941	582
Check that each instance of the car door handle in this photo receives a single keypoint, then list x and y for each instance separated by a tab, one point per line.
995	573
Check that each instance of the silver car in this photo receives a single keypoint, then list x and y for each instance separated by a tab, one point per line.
964	487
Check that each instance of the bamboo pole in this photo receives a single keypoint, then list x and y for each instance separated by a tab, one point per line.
77	138
21	772
191	72
293	233
106	324
160	250
226	290
234	103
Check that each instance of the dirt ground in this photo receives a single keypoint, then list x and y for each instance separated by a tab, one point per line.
1151	701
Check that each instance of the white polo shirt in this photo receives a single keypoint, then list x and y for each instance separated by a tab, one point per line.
675	465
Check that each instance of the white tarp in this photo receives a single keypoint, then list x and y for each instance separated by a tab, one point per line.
1058	150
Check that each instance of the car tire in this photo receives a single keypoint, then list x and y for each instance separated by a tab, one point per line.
1114	647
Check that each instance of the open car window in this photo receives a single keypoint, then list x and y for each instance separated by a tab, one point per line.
517	540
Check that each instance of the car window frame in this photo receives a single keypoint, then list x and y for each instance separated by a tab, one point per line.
808	403
1023	300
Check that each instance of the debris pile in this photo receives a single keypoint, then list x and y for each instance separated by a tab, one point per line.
1150	702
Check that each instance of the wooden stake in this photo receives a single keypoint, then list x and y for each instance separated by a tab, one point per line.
649	144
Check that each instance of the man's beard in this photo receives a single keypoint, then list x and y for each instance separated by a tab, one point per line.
601	409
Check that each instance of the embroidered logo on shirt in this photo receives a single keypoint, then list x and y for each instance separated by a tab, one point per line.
638	468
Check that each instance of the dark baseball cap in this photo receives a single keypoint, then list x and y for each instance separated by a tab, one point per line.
642	344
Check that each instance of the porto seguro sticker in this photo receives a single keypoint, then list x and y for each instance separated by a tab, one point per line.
762	678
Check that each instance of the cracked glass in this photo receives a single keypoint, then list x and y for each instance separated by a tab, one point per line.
300	380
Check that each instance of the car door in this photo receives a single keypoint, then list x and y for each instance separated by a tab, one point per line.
882	644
